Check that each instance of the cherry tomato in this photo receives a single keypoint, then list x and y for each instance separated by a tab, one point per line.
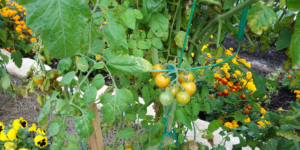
174	90
203	147
161	81
166	98
189	77
189	87
243	96
183	97
157	67
38	81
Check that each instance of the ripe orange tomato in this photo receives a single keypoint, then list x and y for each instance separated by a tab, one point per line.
174	90
189	77
161	81
243	96
157	67
183	97
189	87
38	81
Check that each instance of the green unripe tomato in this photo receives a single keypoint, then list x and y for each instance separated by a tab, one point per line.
183	97
166	98
203	147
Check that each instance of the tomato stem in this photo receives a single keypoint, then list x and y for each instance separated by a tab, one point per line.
119	129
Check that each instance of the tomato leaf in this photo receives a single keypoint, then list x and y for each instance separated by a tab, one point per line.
260	84
82	64
54	126
209	76
17	58
46	109
98	81
284	39
4	58
126	64
253	128
228	4
125	134
128	18
293	5
67	78
294	47
144	44
179	39
260	17
159	25
2	35
183	117
238	116
216	2
83	124
156	42
113	105
90	95
214	125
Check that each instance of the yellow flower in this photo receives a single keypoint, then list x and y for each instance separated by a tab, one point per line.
267	122
98	57
105	22
33	39
297	91
3	137
40	141
248	75
30	31
23	149
261	124
16	125
24	27
19	30
219	60
234	61
228	53
230	48
262	110
238	72
2	127
23	123
10	146
247	120
150	80
32	128
211	36
204	47
280	109
228	125
234	124
216	75
12	135
234	75
141	30
40	131
208	55
265	96
192	54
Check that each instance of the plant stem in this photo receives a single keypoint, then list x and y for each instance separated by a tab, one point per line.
197	32
226	15
170	36
178	23
154	54
66	92
119	129
219	33
206	38
170	119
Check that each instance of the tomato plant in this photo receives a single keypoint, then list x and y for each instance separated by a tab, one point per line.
170	39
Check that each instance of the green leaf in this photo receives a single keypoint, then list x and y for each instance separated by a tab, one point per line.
180	138
135	94
179	39
146	94
238	116
98	81
204	91
97	18
64	22
155	5
3	35
218	52
271	144
214	125
83	124
293	5
294	47
137	14
260	84
156	42
196	108
228	26
90	95
4	58
67	78
97	46
144	44
159	25
128	18
60	105
54	126
138	53
282	3
120	65
120	147
46	109
116	38
17	58
124	81
284	39
273	83
209	76
82	64
125	134
202	60
98	65
228	4
260	17
216	2
113	106
131	43
183	117
64	65
105	3
5	81
242	140
254	128
207	107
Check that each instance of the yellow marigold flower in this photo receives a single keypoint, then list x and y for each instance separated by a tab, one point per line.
219	60
30	31
227	75
261	124
20	10
105	22
141	30
243	61
248	75
24	27
230	83
21	36
248	65
150	80
297	91
12	135
33	39
234	61
247	120
228	125
230	48
24	9
262	110
234	75
192	54
234	124
17	22
228	53
40	141
19	30
211	36
237	72
24	13
216	75
280	109
32	128
204	47
208	55
10	146
262	117
298	96
267	122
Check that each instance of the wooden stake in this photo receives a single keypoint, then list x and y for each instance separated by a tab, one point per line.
96	140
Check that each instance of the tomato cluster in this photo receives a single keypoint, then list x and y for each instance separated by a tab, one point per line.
182	92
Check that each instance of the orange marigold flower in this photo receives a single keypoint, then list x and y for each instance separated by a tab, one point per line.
33	39
19	30
30	31
290	76
13	51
